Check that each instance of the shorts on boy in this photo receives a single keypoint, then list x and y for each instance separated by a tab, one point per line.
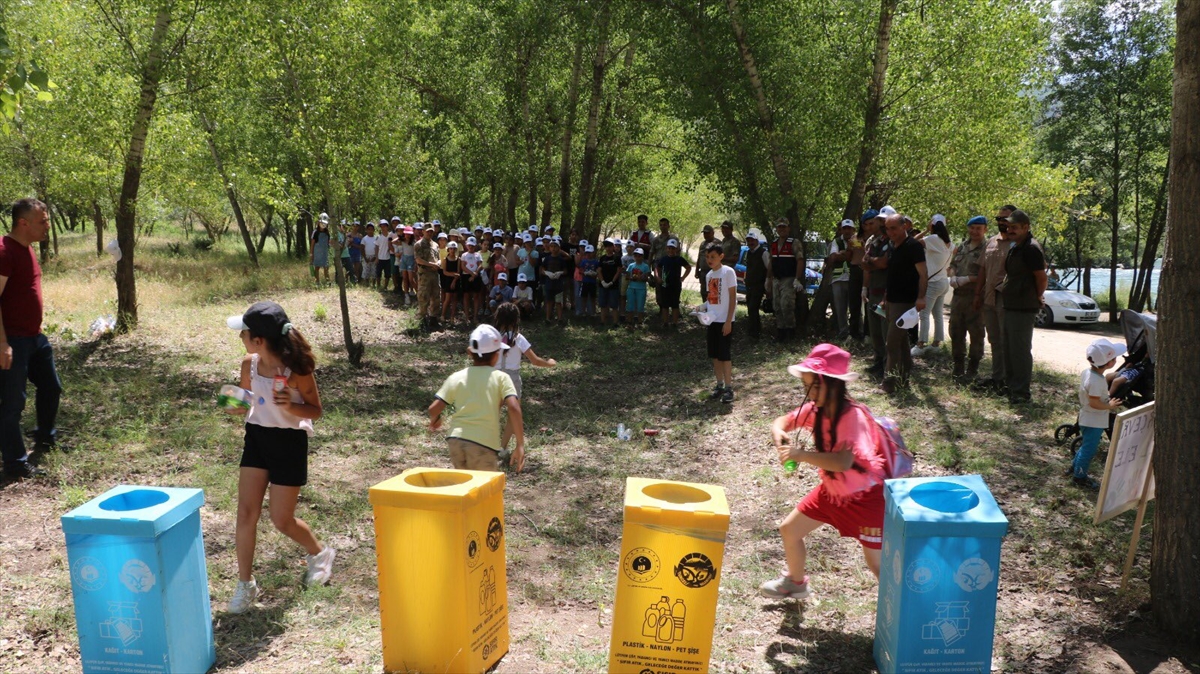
282	452
383	268
368	270
609	298
860	519
552	289
720	346
467	455
668	297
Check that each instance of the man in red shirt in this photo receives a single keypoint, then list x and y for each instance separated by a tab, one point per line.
25	353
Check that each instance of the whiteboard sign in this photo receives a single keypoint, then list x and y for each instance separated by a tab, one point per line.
1128	464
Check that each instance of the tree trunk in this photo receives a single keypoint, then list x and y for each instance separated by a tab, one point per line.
126	215
1139	298
98	221
1175	560
531	168
564	170
1087	277
1116	215
266	230
230	193
612	140
514	196
587	169
873	113
766	120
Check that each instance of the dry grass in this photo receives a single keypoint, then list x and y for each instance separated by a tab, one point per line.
139	410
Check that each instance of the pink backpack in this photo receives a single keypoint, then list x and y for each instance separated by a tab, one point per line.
898	460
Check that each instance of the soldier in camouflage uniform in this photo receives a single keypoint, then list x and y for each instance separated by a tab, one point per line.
965	318
428	275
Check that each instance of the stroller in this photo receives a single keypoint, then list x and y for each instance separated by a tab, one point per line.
1136	373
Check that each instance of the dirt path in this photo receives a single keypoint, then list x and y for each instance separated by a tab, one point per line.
1063	348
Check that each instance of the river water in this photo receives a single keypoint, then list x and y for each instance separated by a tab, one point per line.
1124	281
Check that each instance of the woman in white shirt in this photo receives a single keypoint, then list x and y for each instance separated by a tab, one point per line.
938	251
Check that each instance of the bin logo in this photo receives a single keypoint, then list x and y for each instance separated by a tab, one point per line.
494	534
123	623
951	623
695	570
487	591
923	575
473	550
974	574
664	621
136	576
89	574
641	565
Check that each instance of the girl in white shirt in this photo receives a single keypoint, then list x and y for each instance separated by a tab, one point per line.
508	321
938	252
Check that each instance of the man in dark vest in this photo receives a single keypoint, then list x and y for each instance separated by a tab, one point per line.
785	262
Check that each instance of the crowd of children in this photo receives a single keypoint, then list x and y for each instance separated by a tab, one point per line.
541	272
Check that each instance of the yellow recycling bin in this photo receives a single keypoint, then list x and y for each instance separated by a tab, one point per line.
443	593
671	552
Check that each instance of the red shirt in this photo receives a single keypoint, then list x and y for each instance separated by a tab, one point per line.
21	301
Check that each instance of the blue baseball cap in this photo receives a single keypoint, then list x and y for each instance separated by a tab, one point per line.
869	215
977	220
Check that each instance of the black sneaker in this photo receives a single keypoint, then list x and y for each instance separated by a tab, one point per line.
22	471
1087	483
717	391
727	396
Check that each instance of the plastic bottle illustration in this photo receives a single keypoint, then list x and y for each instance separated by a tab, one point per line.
678	613
650	625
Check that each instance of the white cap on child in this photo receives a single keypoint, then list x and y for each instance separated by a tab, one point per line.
484	340
1102	351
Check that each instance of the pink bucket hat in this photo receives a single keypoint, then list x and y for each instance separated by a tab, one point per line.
827	360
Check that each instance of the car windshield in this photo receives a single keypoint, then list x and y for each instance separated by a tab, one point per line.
1052	284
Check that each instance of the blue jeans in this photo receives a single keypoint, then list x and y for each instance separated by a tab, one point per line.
33	360
1087	450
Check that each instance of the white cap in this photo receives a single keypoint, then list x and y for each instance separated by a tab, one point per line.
541	241
396	218
847	223
527	237
464	231
418	225
471	241
908	320
478	228
497	232
556	239
497	245
939	218
437	222
672	244
549	228
589	249
453	245
443	235
324	217
501	276
887	210
533	228
754	234
583	242
521	278
383	222
1101	351
484	340
639	251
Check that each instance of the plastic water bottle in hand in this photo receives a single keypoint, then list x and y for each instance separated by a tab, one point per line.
233	397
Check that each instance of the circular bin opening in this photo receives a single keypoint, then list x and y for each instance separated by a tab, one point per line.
946	497
134	500
676	493
436	478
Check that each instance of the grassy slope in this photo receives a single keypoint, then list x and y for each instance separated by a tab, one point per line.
139	410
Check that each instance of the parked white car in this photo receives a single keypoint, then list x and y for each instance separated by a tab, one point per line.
1066	307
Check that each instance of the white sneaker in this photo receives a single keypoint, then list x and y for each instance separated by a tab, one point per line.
917	351
243	597
320	567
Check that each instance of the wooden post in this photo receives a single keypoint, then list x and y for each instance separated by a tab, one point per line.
1137	530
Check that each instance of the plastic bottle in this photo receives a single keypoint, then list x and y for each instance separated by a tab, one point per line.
620	431
233	397
790	465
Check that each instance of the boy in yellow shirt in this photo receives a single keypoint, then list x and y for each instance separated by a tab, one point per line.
475	395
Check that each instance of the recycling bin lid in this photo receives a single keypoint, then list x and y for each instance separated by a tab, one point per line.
954	505
447	490
682	505
130	510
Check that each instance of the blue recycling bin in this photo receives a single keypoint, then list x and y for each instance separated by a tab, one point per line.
939	569
139	581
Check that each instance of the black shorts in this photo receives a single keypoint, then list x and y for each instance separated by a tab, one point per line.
587	289
668	298
282	452
719	346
